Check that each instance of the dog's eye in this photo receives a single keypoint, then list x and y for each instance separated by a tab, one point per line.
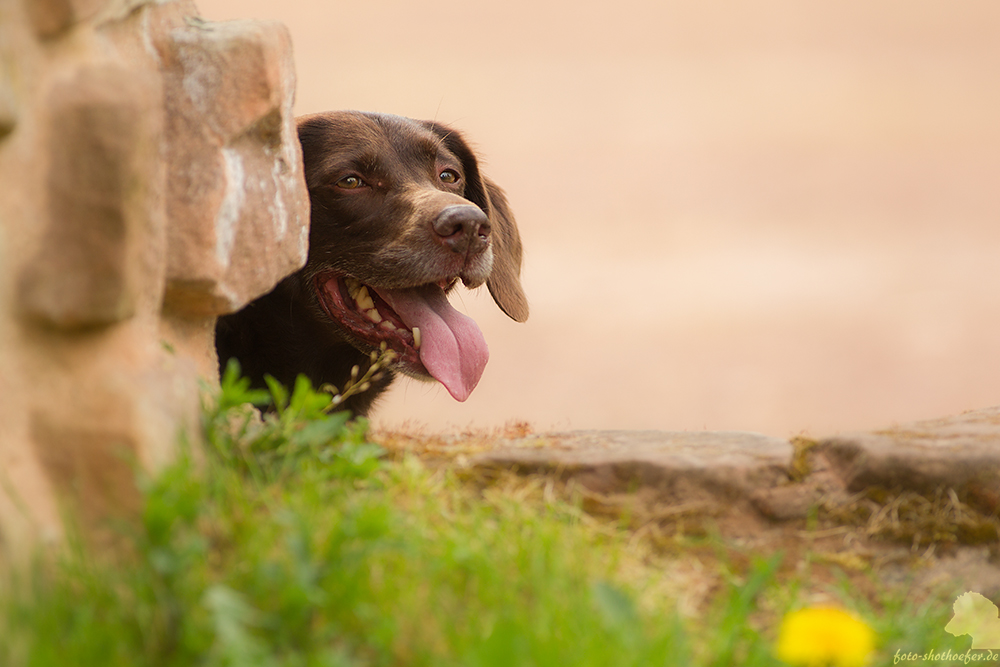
350	182
449	176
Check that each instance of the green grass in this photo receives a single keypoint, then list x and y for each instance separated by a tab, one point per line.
295	541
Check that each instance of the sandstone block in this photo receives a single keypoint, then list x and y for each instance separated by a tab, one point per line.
960	453
103	125
236	198
90	468
114	113
9	68
51	17
8	111
106	421
713	468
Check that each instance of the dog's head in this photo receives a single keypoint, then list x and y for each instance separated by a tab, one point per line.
400	214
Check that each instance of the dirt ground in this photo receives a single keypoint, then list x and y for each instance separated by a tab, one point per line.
778	216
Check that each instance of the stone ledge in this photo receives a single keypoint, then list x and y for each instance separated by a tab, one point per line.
960	453
915	504
673	466
750	482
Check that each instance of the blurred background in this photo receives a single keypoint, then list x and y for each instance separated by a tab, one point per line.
777	216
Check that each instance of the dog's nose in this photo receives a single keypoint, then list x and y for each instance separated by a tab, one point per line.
464	229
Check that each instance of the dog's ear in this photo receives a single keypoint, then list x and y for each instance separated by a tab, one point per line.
504	282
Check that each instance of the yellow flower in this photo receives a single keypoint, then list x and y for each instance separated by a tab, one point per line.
824	637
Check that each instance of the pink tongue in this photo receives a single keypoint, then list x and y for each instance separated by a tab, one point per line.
452	347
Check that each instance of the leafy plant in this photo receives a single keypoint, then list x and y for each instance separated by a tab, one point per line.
289	539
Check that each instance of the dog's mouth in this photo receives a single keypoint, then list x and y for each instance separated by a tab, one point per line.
429	336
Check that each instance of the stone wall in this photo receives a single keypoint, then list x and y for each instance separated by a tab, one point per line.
151	181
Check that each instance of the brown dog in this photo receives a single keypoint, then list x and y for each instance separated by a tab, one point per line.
400	214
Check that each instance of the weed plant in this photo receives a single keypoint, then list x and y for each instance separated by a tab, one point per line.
290	539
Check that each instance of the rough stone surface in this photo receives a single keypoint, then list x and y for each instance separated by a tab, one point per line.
711	468
51	17
152	180
229	91
960	453
776	479
915	504
103	125
8	114
8	69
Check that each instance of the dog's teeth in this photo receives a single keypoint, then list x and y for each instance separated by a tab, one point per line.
364	299
416	338
387	325
352	287
373	315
